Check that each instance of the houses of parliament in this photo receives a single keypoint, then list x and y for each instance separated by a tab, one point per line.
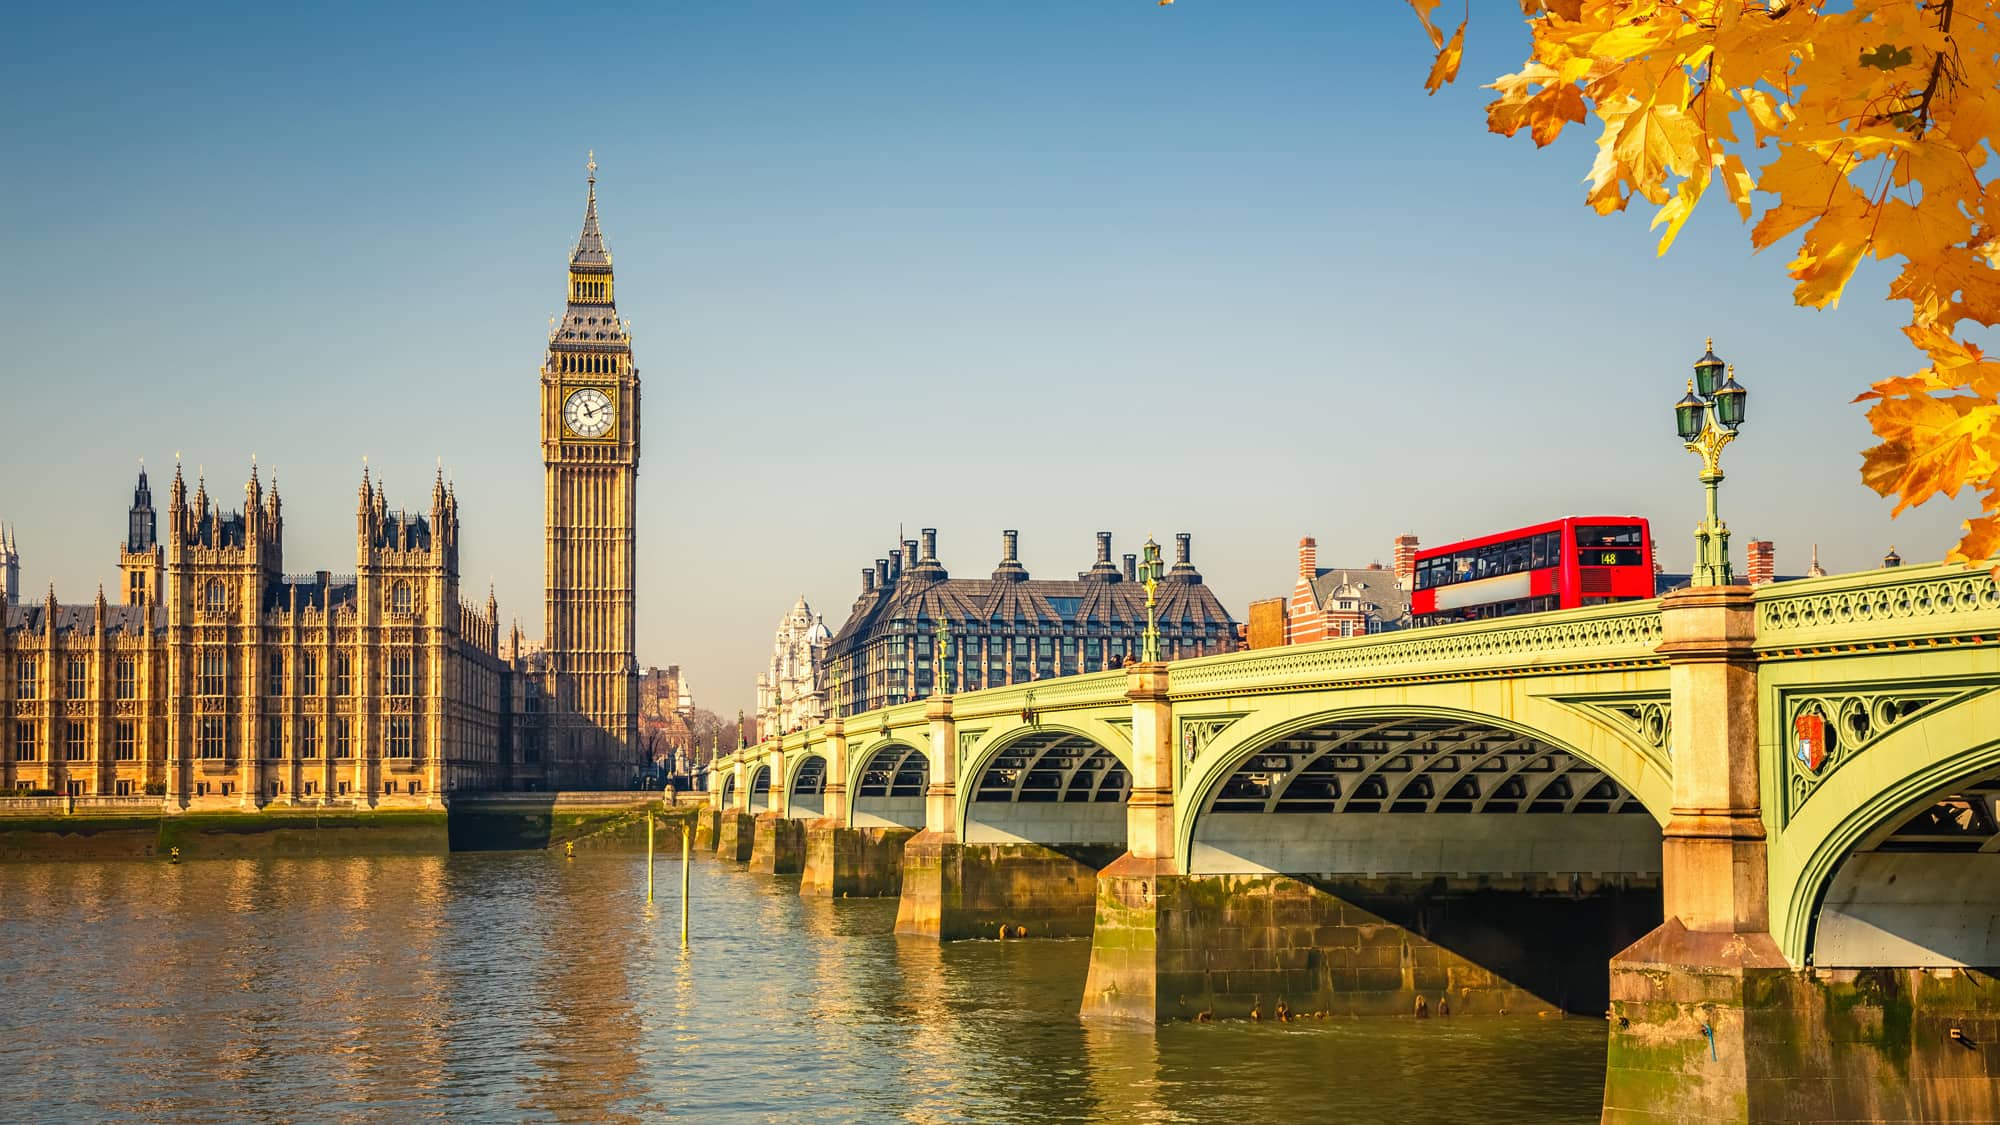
220	680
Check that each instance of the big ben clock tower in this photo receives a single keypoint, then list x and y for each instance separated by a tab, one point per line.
590	454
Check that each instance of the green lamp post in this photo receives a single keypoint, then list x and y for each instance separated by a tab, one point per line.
941	666
1707	418
1151	570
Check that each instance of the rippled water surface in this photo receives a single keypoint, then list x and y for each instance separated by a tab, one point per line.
524	987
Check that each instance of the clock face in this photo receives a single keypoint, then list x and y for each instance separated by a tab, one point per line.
588	413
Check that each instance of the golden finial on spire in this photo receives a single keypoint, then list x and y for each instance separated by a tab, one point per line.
592	166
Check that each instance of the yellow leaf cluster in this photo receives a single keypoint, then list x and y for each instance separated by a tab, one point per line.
1881	117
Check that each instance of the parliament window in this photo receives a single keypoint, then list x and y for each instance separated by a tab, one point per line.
308	674
343	675
211	745
399	738
308	738
276	675
76	742
27	736
274	740
214	672
127	746
215	598
399	675
399	598
128	677
26	681
343	737
79	678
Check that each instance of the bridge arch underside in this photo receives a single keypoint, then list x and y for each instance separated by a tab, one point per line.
1920	891
1424	796
760	790
1049	787
807	798
728	789
1418	856
888	792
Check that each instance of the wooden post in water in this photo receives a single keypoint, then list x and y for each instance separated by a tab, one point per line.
686	828
649	857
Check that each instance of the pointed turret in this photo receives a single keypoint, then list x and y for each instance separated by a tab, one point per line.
590	249
142	527
1815	570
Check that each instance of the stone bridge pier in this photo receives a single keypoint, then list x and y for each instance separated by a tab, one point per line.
1016	851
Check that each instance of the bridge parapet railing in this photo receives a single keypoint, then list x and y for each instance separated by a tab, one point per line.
1622	633
1899	605
1091	689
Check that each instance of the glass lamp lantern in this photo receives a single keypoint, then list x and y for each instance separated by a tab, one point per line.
1729	401
1688	414
1708	372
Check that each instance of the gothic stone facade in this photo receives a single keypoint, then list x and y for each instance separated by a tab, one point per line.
1009	628
223	682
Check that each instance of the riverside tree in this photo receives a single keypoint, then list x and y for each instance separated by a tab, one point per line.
1877	117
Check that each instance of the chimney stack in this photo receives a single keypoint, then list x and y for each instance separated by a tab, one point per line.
1104	547
909	554
1183	549
1131	568
1308	558
1762	559
930	544
1406	561
1010	568
881	573
867	580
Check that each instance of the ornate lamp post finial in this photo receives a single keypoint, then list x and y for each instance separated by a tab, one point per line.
1707	418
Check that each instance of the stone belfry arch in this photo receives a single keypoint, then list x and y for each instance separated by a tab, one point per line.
590	455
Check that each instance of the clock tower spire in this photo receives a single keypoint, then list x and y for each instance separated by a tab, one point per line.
590	458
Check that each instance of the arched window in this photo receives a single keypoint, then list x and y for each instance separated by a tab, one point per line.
399	598
216	600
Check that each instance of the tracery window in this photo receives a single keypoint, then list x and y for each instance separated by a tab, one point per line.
76	743
216	598
79	678
213	745
214	672
27	676
27	736
308	738
399	598
126	747
128	677
400	739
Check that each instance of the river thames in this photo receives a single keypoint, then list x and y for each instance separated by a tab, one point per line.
527	987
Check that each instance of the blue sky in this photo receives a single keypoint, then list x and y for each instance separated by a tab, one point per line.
1218	267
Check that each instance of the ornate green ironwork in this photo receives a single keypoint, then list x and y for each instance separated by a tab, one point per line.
1151	570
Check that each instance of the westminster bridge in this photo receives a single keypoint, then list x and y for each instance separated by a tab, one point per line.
1769	811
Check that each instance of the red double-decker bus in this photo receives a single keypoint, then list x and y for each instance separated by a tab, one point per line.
1582	560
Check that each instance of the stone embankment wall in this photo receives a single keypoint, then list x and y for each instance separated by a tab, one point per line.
470	826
